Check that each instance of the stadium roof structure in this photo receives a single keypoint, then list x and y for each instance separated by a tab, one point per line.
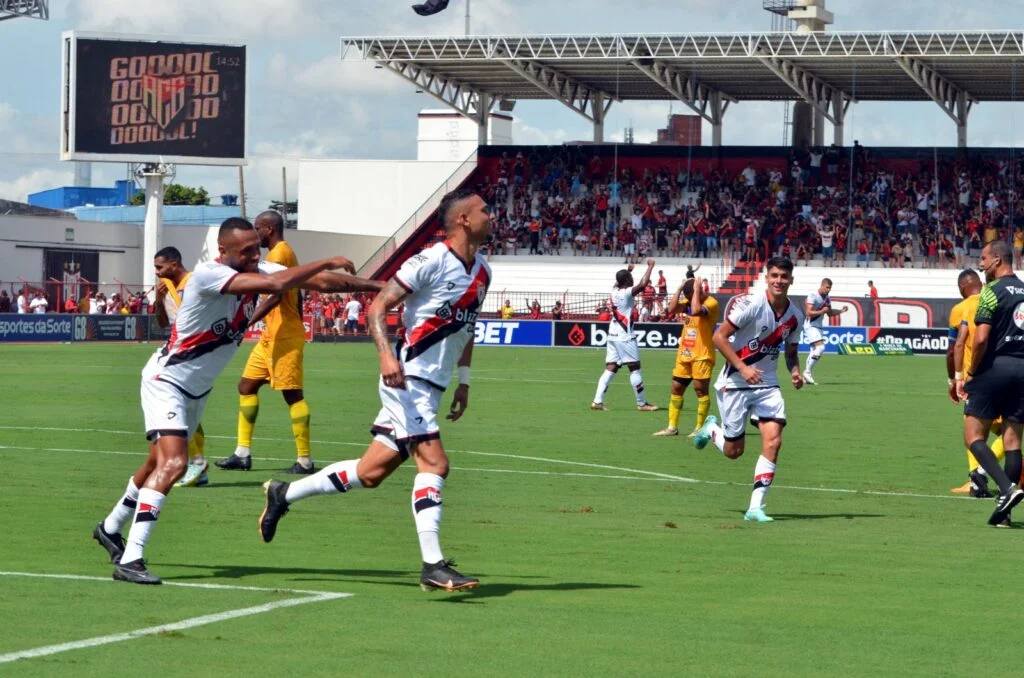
707	72
12	9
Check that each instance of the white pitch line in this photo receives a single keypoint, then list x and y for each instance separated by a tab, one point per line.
454	468
191	585
649	475
567	462
184	624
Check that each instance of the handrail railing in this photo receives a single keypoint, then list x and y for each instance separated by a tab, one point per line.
402	233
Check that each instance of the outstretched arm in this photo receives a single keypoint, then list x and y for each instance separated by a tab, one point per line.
376	318
341	282
284	280
645	280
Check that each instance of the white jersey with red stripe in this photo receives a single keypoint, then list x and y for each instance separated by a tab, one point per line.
207	330
759	338
620	327
445	297
816	302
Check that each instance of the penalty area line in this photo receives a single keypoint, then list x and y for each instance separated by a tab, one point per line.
306	598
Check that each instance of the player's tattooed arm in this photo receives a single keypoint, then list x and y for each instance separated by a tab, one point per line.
341	282
376	319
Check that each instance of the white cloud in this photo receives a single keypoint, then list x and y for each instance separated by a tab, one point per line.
332	74
235	18
36	180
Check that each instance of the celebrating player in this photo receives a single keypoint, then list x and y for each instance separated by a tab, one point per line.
817	307
695	358
961	345
443	289
275	360
995	376
171	278
219	301
761	327
622	347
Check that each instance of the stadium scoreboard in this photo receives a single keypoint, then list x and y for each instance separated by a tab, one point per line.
133	99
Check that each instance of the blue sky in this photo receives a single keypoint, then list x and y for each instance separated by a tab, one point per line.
306	102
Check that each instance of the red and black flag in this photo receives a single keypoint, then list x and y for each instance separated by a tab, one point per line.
430	7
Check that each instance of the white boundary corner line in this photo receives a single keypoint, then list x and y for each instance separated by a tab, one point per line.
191	623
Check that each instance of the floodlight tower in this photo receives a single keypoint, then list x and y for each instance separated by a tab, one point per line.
34	9
803	16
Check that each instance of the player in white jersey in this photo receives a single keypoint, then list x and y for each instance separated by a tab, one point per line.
218	303
817	307
622	347
443	289
760	326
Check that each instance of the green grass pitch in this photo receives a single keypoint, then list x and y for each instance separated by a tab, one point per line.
601	550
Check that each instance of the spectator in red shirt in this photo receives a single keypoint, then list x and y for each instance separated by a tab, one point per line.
534	310
872	290
70	306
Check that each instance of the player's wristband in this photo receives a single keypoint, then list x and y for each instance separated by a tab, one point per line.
464	375
949	382
958	376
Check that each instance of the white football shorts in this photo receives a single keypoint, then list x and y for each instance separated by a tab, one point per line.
736	406
813	334
407	415
169	410
622	352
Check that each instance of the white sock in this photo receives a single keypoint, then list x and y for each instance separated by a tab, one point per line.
122	510
242	451
764	474
199	460
717	436
426	511
146	513
602	386
813	357
338	477
636	378
304	462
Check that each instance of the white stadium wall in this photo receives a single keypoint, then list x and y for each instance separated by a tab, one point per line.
365	197
23	239
447	136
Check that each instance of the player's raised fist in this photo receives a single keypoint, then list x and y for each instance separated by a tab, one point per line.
650	263
343	263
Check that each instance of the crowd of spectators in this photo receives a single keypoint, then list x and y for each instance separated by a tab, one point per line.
841	205
29	300
337	314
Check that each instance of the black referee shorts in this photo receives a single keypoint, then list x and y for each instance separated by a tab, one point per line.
997	392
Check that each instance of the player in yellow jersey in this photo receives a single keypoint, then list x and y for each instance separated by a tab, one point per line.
695	358
275	360
171	278
958	358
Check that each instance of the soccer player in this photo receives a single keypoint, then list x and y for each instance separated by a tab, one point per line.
695	358
959	354
622	347
995	377
219	301
761	326
171	278
276	360
443	289
817	307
